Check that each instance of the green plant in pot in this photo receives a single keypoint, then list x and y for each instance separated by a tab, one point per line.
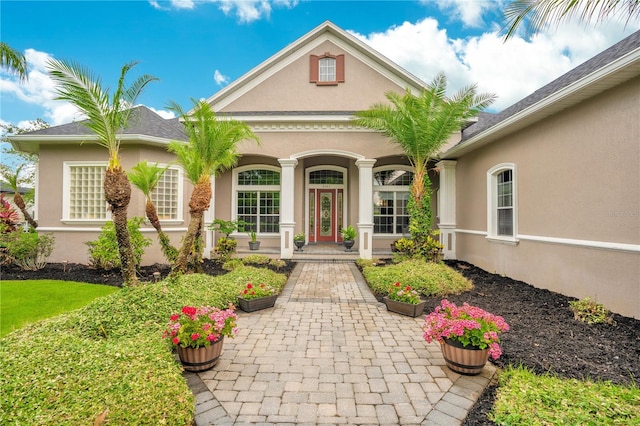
298	241
348	236
404	300
254	244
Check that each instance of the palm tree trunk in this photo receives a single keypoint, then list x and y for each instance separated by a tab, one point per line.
200	201
117	192
17	198
152	215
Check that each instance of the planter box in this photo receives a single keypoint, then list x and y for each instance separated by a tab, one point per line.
200	359
469	361
257	304
404	308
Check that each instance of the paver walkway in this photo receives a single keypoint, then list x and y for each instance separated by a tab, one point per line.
329	353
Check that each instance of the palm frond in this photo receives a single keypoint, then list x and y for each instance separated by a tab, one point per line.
145	176
13	60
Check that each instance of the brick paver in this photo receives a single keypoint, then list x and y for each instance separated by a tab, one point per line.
330	353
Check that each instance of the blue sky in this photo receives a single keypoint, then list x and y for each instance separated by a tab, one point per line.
195	48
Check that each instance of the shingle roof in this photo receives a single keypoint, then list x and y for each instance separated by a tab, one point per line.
616	51
143	121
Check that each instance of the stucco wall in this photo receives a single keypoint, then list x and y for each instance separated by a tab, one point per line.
577	181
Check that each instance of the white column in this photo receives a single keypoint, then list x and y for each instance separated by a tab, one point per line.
287	222
365	208
447	207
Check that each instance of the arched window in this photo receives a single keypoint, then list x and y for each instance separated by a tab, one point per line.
391	187
257	198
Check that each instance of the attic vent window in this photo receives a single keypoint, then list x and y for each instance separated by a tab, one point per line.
326	69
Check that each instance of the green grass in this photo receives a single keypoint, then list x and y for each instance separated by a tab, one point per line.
427	278
24	302
109	356
525	398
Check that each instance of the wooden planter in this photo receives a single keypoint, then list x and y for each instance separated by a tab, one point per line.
201	359
403	308
464	360
257	304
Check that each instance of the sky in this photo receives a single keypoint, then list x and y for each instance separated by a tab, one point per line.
197	47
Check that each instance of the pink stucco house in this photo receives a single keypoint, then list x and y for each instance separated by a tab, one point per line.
546	191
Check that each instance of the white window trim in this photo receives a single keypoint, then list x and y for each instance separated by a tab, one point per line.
235	188
390	188
492	203
180	205
66	192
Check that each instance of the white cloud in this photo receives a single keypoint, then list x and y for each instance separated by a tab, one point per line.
167	115
220	78
245	10
512	70
469	12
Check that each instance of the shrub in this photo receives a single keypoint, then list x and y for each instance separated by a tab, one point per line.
277	264
226	248
256	259
28	250
103	252
427	278
589	311
232	264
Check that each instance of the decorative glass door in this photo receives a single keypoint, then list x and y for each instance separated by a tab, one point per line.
326	219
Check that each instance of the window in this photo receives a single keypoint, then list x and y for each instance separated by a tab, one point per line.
501	189
390	200
258	199
166	195
83	191
327	69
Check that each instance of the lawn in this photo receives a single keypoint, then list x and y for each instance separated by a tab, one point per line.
24	302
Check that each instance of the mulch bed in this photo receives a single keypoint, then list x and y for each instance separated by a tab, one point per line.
543	334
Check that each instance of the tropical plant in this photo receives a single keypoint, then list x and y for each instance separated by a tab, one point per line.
145	177
349	233
403	293
29	250
536	14
225	248
212	148
197	327
13	61
251	291
299	237
103	251
13	180
8	216
469	325
227	227
421	124
107	118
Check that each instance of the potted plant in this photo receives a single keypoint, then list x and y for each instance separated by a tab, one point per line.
348	236
298	240
256	297
467	334
404	300
253	243
198	333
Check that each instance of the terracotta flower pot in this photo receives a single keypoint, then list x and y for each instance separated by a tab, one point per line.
464	360
201	359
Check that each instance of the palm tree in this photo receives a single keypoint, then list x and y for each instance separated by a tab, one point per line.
13	180
537	13
107	118
212	148
421	124
145	177
13	60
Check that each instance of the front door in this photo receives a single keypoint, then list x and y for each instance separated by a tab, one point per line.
326	215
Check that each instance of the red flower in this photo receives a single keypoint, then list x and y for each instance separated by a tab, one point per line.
189	310
195	336
246	291
175	317
175	340
397	284
249	285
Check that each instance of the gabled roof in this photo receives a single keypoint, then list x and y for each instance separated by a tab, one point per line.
144	126
615	65
301	47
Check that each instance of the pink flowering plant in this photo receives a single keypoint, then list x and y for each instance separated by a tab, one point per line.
251	291
466	324
200	326
403	293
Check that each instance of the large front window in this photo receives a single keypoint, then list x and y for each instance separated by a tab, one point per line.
390	200
84	192
166	195
258	199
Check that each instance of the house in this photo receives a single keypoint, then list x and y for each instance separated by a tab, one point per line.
546	191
